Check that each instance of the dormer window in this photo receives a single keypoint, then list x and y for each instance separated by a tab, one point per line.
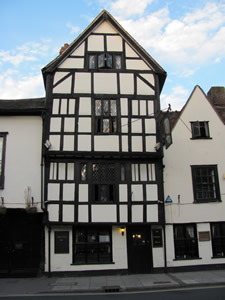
105	61
200	130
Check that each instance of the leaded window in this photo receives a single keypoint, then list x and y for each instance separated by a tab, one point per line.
105	61
2	159
103	182
106	116
205	183
218	239
185	241
92	245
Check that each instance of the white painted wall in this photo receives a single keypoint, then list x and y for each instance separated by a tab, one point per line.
23	159
62	262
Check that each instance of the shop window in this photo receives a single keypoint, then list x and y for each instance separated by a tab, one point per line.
205	183
185	241
2	158
218	239
92	245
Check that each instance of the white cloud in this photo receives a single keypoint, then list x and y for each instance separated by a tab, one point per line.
73	29
177	98
15	60
129	7
25	87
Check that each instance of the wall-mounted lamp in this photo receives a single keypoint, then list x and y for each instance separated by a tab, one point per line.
122	230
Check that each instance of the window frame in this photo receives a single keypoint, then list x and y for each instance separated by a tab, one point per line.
187	244
204	187
87	245
3	136
200	130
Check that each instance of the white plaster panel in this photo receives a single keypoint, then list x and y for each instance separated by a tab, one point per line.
83	192
85	106
150	126
72	63
134	107
143	111
70	171
137	144
84	125
72	106
68	213
83	213
127	84
150	108
152	213
68	191
53	191
106	143
84	142
96	43
55	106
129	51
55	124
149	77
69	124
124	106
68	143
137	192
62	171
53	212
114	43
123	213
137	213
105	27
105	83
63	109
136	64
136	125
151	192
79	51
58	76
150	142
143	88
123	192
125	143
64	87
82	83
124	125
103	213
55	142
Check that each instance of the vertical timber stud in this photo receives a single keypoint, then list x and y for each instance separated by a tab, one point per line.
49	251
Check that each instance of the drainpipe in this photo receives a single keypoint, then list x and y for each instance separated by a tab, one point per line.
49	251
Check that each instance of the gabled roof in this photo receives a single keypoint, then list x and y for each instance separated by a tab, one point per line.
34	106
219	109
106	16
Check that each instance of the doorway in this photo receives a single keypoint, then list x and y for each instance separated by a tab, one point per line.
139	249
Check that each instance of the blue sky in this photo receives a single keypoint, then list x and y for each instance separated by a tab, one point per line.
187	38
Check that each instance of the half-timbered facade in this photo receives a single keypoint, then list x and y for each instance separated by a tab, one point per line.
103	174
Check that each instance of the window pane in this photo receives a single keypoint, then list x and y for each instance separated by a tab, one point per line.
105	107
92	62
103	193
83	172
101	60
108	60
98	107
143	171
118	61
122	170
1	153
105	125
113	108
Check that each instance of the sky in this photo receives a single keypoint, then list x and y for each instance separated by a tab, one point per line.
187	39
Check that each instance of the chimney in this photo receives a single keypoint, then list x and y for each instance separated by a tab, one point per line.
63	48
217	95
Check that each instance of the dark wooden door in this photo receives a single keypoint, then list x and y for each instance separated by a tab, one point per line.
139	249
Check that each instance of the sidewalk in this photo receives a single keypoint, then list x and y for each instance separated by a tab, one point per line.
103	284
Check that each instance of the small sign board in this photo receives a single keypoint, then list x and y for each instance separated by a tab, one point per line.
204	236
157	238
61	242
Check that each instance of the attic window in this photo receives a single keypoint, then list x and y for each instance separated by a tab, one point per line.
104	61
200	130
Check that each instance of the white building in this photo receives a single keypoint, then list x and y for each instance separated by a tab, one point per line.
103	175
194	180
21	233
